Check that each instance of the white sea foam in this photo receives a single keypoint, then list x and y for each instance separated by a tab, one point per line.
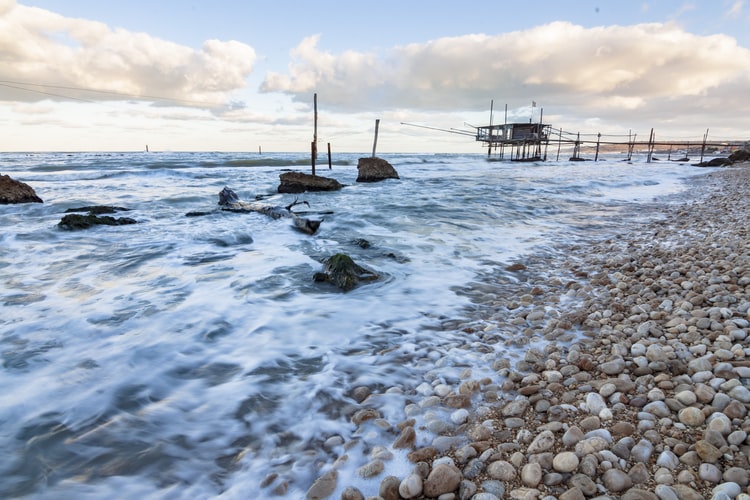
192	356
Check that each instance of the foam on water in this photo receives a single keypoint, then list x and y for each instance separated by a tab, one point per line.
193	356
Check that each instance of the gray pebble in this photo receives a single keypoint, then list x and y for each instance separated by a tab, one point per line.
710	473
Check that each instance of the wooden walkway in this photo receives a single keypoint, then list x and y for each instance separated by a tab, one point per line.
532	141
589	147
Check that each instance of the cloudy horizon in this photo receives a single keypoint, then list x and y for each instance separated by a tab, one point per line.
69	82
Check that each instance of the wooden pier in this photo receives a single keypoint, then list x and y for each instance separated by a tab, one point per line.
530	142
585	147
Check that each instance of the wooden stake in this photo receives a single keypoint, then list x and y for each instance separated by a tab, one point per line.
489	148
598	138
312	150
329	156
375	142
650	146
315	122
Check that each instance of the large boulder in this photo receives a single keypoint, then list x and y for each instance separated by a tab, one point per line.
298	182
13	191
374	169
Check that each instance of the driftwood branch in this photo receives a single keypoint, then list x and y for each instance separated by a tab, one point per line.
228	200
295	203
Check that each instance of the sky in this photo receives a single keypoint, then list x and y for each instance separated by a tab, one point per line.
221	75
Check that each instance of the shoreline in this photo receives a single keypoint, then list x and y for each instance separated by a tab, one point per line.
642	389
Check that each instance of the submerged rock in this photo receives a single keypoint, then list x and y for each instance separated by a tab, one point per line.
77	221
343	272
13	191
97	209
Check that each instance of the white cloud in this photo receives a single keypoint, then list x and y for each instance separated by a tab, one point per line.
558	63
45	55
735	10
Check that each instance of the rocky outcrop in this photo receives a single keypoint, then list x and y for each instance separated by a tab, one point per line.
13	191
739	156
375	169
78	221
74	221
298	182
716	162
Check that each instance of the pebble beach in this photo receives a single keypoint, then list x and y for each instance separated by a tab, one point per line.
635	383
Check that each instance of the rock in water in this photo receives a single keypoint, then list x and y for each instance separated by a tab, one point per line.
13	191
343	272
375	169
323	487
297	182
77	221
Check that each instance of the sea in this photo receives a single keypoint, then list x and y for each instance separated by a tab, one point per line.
196	357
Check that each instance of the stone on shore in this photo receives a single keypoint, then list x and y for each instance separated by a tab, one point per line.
443	478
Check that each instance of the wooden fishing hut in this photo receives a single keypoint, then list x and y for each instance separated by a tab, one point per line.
516	141
523	141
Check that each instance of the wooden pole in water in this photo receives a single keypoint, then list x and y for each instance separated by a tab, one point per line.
559	143
329	156
539	131
630	145
375	142
598	138
505	134
312	150
650	146
489	147
703	147
259	150
315	123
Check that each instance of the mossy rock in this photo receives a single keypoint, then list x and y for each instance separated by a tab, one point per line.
342	271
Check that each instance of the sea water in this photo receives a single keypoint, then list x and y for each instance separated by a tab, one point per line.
194	357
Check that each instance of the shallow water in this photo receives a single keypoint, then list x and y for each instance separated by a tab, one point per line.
190	357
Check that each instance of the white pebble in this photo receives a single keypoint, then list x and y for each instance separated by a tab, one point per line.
411	486
459	417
